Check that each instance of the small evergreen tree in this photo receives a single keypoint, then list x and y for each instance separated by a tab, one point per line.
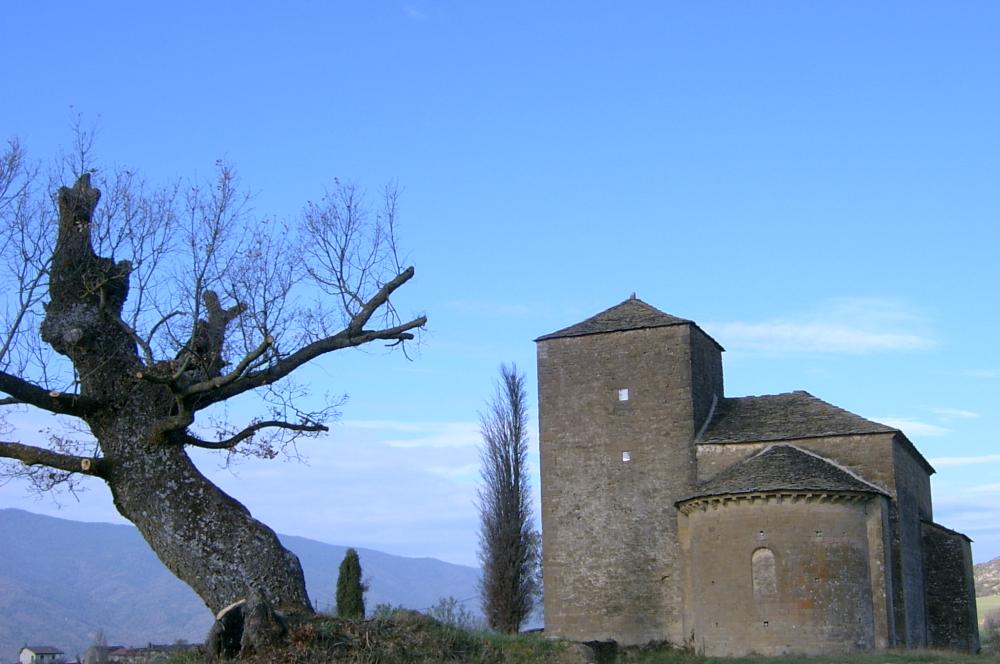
350	589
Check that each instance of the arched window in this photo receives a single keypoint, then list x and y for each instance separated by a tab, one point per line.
765	583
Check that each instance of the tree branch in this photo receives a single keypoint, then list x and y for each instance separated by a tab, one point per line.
174	423
220	381
54	402
30	455
327	345
380	298
249	432
354	335
204	349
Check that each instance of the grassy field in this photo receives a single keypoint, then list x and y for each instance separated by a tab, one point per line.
407	636
529	650
410	637
984	604
887	658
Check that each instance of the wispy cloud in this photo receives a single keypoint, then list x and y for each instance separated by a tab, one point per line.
490	309
913	427
955	413
844	325
970	508
966	461
981	373
413	13
420	434
465	472
411	487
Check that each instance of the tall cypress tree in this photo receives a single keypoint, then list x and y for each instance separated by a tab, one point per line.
508	542
350	589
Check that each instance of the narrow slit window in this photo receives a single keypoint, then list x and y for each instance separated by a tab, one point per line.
765	583
623	394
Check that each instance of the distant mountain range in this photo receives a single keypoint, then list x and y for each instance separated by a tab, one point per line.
987	578
61	581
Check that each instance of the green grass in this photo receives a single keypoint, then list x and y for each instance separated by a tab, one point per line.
990	639
329	643
885	658
984	604
411	637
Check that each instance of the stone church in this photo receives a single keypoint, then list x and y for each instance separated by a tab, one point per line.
731	525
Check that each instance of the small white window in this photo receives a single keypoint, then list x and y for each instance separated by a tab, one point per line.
623	394
626	456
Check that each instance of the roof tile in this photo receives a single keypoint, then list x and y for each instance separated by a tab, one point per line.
632	314
783	417
784	468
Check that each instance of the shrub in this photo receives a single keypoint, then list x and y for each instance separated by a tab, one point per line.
450	611
991	622
385	610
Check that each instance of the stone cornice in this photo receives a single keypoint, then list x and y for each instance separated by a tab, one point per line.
704	503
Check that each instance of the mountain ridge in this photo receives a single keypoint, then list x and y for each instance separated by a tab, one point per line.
61	581
987	578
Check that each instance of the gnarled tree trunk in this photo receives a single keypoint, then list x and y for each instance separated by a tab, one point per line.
140	406
205	537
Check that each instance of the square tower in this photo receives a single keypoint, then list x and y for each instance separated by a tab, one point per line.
622	397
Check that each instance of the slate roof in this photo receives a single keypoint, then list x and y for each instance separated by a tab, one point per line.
632	314
783	468
783	417
947	530
44	650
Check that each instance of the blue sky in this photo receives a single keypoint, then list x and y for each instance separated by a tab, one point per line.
814	183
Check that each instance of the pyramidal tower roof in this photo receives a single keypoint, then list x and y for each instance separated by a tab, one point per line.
632	314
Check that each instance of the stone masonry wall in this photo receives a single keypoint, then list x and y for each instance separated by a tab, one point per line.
612	470
778	575
866	455
706	375
888	463
912	506
950	588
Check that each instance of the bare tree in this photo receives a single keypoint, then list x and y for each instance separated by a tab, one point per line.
508	542
140	318
97	653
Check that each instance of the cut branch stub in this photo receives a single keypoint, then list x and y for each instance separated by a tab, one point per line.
82	283
30	455
204	353
74	253
76	209
21	391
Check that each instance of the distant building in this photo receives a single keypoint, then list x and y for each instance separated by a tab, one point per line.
98	654
772	524
40	655
151	653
